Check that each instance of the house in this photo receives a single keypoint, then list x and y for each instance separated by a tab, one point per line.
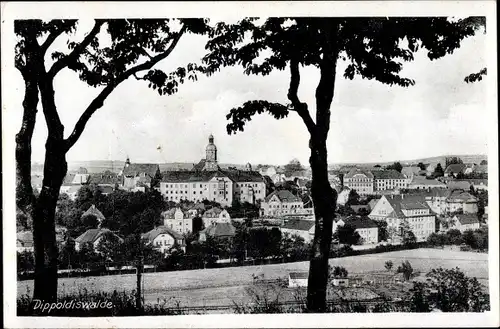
436	199
138	176
469	168
24	241
410	171
163	239
464	222
389	180
92	237
297	279
460	200
362	181
281	202
107	181
454	169
218	231
215	215
72	183
178	220
366	228
278	178
207	181
93	211
422	182
410	211
301	227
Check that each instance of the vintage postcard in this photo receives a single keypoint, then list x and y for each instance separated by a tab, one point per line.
250	164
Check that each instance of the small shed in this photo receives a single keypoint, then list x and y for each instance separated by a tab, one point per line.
340	282
297	279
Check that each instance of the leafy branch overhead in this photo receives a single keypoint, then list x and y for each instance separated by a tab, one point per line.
373	48
134	46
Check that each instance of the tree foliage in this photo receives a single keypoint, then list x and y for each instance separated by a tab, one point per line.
450	290
346	234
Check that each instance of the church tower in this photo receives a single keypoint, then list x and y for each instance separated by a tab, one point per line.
211	155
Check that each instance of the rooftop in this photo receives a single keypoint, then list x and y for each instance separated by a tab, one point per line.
465	219
151	235
219	230
284	196
388	174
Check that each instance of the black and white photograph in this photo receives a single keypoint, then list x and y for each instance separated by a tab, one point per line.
211	160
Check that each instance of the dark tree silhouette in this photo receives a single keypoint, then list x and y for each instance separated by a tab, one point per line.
373	49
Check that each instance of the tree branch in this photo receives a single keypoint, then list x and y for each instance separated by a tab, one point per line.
98	102
65	61
326	85
298	106
53	35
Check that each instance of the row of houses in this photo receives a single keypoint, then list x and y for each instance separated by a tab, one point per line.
305	228
205	181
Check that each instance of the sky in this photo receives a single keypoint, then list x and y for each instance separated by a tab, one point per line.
370	122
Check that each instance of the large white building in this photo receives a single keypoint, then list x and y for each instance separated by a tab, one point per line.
411	211
359	180
207	181
282	202
389	180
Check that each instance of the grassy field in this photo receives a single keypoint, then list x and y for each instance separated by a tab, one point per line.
225	285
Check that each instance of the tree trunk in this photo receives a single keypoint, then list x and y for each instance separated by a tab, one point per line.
24	191
324	199
44	235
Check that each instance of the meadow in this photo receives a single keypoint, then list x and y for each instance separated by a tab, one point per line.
224	286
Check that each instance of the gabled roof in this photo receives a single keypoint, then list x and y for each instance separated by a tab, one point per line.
406	202
460	196
357	171
92	235
153	234
422	180
298	224
455	168
388	174
458	184
95	212
107	178
284	196
359	222
135	169
169	213
218	230
243	175
372	203
465	219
